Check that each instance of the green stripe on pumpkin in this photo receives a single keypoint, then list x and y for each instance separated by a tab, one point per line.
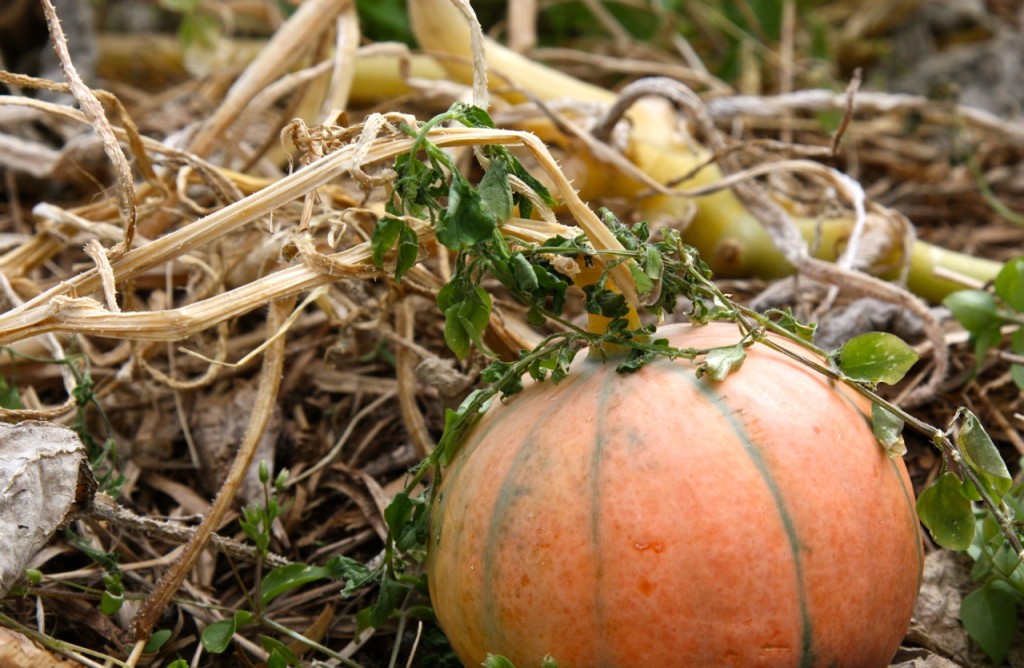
608	385
511	488
733	419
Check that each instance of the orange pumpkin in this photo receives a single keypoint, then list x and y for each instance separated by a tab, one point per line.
658	519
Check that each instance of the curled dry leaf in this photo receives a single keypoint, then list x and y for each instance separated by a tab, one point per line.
17	651
926	660
40	468
936	625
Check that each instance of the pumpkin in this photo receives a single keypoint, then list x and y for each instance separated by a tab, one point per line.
661	519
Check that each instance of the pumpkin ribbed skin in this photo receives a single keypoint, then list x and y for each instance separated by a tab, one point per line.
657	519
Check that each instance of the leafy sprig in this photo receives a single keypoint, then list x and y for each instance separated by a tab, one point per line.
994	316
990	613
256	521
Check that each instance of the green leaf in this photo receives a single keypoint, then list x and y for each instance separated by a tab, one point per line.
548	662
604	302
471	115
975	309
157	640
1017	342
199	30
408	251
947	513
458	422
398	512
110	603
495	372
496	192
112	581
1017	374
654	263
553	286
385	235
288	577
789	322
720	362
388	597
275	647
990	616
466	320
9	396
517	169
526	277
982	455
563	363
830	119
183	6
355	574
494	661
417	188
643	282
275	660
384	21
876	357
406	518
1009	284
888	430
217	636
984	340
1017	347
465	222
1005	559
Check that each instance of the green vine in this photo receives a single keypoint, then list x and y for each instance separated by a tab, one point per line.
667	272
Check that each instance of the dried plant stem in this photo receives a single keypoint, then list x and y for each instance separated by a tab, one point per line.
343	73
288	44
476	41
53	310
266	396
439	26
405	371
105	508
522	25
788	239
771	106
94	111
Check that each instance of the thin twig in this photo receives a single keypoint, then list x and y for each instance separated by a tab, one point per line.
105	508
405	370
476	40
287	45
851	94
94	110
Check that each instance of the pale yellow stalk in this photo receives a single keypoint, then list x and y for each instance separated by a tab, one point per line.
727	234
